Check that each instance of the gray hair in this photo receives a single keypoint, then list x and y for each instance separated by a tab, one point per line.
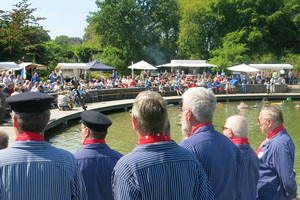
274	113
202	102
150	110
3	139
97	134
32	122
239	125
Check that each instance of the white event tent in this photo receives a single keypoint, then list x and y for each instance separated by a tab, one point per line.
9	65
243	68
187	63
272	66
142	65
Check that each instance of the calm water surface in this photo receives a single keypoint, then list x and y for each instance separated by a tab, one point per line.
122	138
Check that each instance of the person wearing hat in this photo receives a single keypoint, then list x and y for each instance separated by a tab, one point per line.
31	168
157	168
96	159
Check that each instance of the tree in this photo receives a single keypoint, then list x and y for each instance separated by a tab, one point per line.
270	25
19	32
196	37
135	26
84	53
232	52
65	40
113	57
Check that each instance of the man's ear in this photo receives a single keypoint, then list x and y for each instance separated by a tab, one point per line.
135	123
189	115
87	133
15	122
231	134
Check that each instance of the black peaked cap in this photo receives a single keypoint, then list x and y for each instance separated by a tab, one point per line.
30	102
95	120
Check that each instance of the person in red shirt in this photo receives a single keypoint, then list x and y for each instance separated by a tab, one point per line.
131	83
192	84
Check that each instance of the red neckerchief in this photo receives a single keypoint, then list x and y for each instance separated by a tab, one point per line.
270	135
168	138
240	141
275	131
30	136
94	141
152	139
196	127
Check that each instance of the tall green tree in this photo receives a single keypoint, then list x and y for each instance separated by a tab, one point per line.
270	25
232	51
20	32
138	28
196	36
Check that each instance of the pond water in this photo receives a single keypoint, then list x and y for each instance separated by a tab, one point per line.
122	138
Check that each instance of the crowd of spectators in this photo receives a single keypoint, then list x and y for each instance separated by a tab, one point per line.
165	81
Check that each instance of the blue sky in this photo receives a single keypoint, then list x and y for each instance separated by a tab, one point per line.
64	17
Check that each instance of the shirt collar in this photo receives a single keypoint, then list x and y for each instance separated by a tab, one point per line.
195	128
275	131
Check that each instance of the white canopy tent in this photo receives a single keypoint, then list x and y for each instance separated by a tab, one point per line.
9	65
272	66
187	63
142	65
243	68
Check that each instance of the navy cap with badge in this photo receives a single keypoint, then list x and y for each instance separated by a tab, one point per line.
30	102
95	120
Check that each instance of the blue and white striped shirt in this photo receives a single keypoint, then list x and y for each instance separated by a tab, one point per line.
220	159
31	170
96	163
160	171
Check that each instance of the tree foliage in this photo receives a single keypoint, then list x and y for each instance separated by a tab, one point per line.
134	27
225	32
20	32
196	34
65	40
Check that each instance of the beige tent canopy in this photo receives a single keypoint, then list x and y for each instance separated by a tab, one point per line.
30	65
60	66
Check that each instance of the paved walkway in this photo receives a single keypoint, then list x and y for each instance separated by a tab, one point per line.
58	117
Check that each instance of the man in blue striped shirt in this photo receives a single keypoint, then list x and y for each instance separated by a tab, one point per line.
31	168
276	158
157	168
95	159
236	129
218	155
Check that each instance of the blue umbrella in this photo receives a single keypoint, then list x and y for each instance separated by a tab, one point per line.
98	66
